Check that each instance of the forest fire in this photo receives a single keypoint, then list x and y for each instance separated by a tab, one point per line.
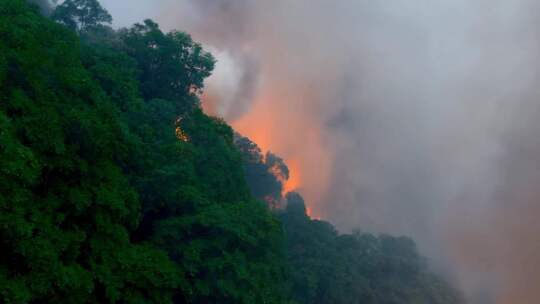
274	124
386	117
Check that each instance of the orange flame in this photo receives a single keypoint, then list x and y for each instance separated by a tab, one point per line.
285	120
180	134
309	213
294	136
294	181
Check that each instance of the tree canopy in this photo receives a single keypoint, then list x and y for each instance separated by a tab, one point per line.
159	55
66	207
265	173
333	268
81	15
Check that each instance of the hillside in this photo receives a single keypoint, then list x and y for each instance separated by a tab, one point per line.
115	187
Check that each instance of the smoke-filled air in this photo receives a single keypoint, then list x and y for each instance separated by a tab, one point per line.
134	158
408	117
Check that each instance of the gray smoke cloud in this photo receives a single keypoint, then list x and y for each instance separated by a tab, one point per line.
406	117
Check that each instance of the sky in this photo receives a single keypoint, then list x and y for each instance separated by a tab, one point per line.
414	118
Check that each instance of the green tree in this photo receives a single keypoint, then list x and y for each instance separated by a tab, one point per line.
44	6
66	207
327	267
172	66
265	174
81	15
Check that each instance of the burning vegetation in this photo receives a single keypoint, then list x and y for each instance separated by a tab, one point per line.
180	133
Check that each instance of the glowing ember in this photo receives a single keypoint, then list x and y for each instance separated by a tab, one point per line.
180	134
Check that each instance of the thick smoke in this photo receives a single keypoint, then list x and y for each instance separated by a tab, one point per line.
408	117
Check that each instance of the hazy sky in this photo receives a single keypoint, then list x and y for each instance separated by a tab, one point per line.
408	117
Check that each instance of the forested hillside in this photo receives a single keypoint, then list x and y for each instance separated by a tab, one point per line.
115	187
328	267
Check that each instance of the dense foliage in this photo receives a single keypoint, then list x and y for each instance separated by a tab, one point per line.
326	267
355	268
100	199
265	174
66	206
115	187
81	15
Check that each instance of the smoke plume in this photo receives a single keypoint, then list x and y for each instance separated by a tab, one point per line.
406	117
